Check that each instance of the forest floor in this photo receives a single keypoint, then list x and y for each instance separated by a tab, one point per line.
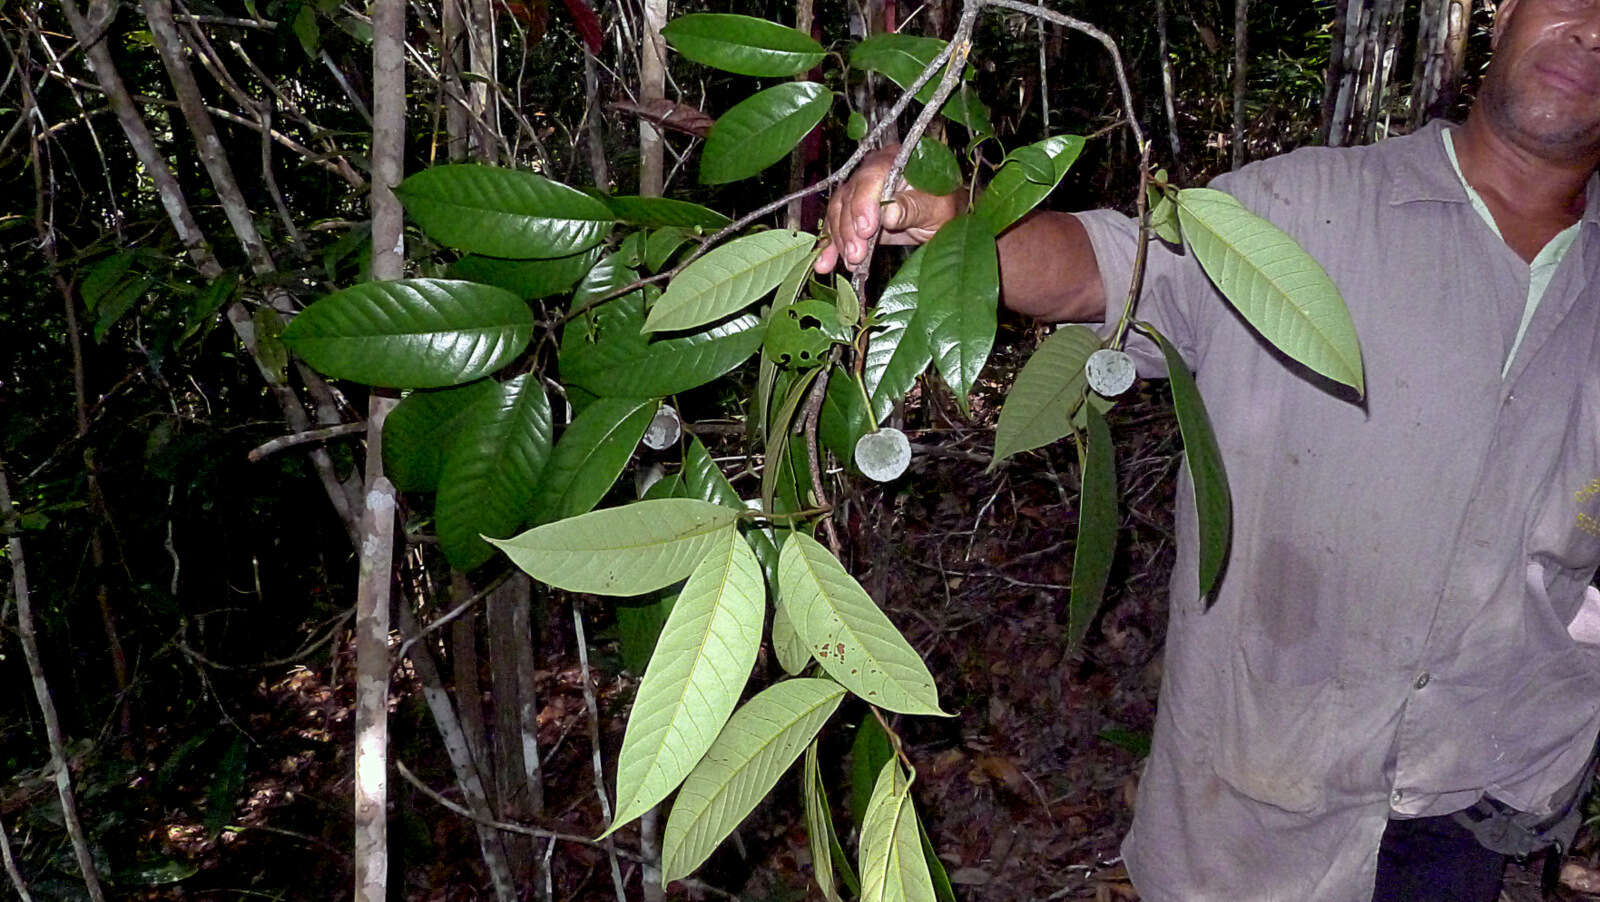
1025	792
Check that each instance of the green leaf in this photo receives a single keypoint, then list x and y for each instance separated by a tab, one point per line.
942	890
420	429
492	469
869	751
658	212
856	126
639	628
848	634
1014	190
271	352
728	279
844	415
1280	290
959	296
902	57
761	130
777	439
527	279
793	656
412	333
703	479
758	744
899	351
1212	502
1049	389
621	361
503	212
893	868
819	824
1097	528
699	668
743	45
662	244
628	550
590	456
933	168
847	303
1164	216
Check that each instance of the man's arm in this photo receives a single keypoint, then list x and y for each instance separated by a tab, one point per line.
1047	264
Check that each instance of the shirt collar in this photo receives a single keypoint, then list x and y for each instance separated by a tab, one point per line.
1423	172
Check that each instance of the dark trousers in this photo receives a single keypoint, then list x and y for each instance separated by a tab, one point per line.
1435	859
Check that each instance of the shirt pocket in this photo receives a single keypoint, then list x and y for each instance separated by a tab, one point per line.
1563	537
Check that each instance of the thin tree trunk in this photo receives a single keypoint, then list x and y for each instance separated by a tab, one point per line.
484	63
511	785
41	690
652	84
594	124
461	759
793	217
17	883
1440	58
90	34
377	524
1241	73
1166	90
97	556
464	668
453	32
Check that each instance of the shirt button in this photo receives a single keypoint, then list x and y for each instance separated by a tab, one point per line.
1423	679
1396	797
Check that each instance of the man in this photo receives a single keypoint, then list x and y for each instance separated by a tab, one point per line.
1391	668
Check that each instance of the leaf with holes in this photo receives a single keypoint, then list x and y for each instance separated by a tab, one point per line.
728	279
1097	528
761	130
958	293
893	868
847	632
412	333
628	550
743	45
590	456
1016	188
699	668
503	212
1049	389
1212	502
753	750
1280	290
492	470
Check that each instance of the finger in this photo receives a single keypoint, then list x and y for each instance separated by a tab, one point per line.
827	259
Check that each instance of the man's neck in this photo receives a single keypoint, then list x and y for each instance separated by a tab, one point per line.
1532	197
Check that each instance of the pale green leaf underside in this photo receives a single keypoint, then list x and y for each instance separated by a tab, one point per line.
1038	408
753	750
848	633
1274	284
793	656
893	868
819	826
412	333
700	666
628	550
728	279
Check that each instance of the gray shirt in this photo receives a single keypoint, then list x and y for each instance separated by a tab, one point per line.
1390	637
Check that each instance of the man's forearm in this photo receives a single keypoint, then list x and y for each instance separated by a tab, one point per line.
1048	269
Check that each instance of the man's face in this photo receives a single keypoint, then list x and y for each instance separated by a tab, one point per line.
1542	91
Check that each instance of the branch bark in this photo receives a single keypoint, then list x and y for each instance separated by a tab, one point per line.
41	691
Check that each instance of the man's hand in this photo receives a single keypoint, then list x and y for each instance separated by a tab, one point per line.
854	214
